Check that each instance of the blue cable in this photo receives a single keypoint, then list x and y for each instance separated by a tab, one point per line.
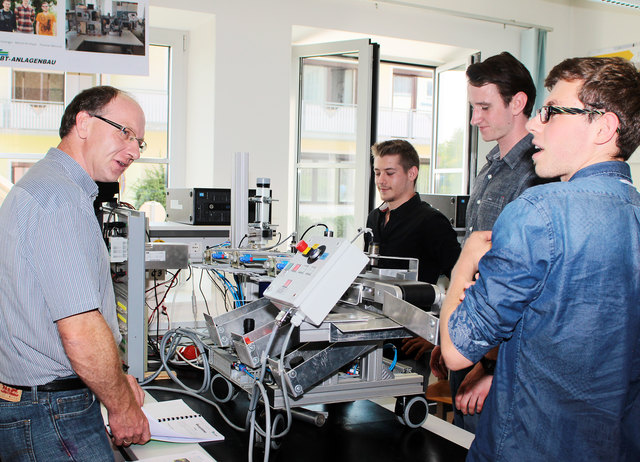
240	293
230	287
395	355
243	368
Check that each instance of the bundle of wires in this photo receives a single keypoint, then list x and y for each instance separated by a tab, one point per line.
169	347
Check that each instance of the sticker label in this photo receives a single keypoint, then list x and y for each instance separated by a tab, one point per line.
10	394
155	255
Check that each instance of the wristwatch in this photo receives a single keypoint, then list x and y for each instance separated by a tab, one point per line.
489	365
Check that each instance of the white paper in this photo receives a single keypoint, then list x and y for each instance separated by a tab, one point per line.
176	422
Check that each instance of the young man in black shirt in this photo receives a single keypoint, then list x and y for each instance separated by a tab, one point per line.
405	226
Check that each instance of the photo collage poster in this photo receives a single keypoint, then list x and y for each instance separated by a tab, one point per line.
90	36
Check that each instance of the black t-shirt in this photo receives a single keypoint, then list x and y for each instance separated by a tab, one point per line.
416	230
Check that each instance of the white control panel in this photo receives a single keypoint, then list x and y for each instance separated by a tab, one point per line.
316	277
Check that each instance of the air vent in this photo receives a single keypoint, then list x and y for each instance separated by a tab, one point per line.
629	3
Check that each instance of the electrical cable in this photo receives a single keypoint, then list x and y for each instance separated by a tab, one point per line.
202	292
230	287
222	290
176	335
225	289
395	355
257	386
201	398
277	243
313	226
360	232
236	278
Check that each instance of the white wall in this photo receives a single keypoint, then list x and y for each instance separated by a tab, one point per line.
239	63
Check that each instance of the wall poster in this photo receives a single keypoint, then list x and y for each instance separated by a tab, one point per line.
630	52
92	36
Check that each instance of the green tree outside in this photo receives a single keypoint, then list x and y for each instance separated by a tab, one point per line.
151	188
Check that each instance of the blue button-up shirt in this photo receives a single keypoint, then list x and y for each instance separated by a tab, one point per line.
560	291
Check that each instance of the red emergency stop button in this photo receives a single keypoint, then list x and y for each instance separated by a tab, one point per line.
301	246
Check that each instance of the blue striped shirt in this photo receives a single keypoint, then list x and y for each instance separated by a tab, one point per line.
53	264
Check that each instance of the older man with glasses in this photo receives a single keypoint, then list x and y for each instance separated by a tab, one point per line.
58	325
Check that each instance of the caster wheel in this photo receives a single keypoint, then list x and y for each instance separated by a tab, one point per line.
412	411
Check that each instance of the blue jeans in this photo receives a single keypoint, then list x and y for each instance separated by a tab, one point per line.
53	426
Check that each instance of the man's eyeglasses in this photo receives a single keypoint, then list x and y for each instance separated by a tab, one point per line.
125	132
547	111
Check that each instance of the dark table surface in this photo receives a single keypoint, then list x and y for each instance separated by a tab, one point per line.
354	431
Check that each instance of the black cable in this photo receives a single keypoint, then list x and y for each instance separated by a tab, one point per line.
224	298
205	298
157	310
313	226
243	238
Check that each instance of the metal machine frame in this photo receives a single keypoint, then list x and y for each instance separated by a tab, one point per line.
317	364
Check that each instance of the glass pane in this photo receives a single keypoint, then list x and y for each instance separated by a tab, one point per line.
328	110
144	182
448	183
327	136
328	194
38	86
397	118
452	99
346	185
305	183
403	92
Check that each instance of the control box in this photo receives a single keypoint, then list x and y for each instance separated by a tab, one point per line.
203	206
452	207
316	277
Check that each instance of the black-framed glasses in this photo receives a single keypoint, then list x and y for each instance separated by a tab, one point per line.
547	111
125	132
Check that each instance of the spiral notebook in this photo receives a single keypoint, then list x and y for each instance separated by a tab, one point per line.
176	422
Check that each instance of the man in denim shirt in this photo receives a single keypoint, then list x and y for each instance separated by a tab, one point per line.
558	288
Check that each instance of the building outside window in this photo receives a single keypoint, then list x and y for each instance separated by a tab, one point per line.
32	104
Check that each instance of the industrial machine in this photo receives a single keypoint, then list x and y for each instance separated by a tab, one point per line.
134	261
321	330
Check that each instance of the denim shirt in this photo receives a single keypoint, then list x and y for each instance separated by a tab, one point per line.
560	292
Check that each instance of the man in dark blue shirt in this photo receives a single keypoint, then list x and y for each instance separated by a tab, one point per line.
558	287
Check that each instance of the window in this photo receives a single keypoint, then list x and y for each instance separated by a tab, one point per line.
450	172
331	147
146	179
405	111
32	104
38	86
